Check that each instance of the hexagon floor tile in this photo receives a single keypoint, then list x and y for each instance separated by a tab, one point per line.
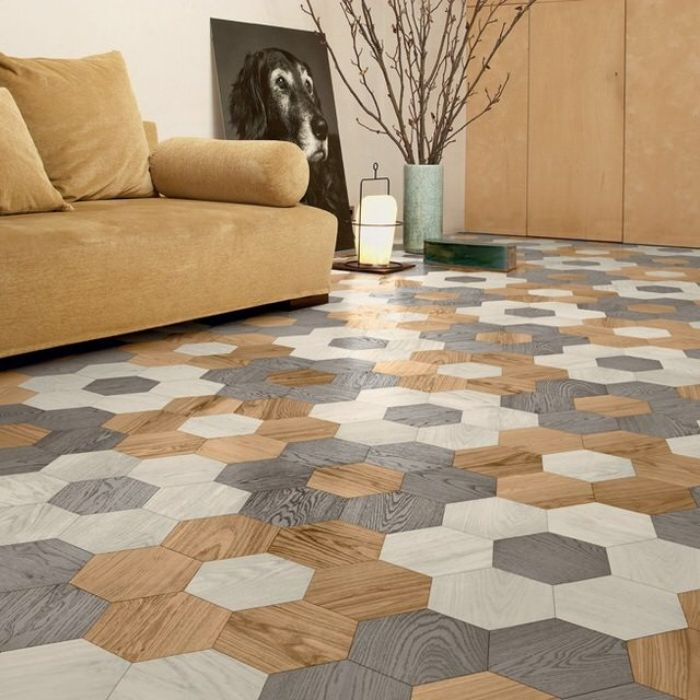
372	499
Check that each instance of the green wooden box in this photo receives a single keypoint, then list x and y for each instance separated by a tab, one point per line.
458	251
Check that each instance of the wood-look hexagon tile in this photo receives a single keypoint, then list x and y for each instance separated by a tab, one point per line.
221	537
46	614
545	490
377	432
368	589
136	573
158	626
244	448
32	522
177	470
559	658
668	662
352	480
673	469
447	485
618	607
301	377
103	495
498	461
197	501
202	406
285	637
293	506
690	602
27	489
644	495
90	465
588	465
393	512
160	444
612	406
420	647
199	675
477	686
297	429
20	434
682	528
329	544
274	409
252	581
145	422
540	440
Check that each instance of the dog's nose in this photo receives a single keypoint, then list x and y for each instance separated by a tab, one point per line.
320	128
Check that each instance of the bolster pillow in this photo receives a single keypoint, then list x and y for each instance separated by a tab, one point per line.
271	173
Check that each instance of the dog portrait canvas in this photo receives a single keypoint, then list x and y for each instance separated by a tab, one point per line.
275	83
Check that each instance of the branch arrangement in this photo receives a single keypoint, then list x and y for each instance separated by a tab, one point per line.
430	68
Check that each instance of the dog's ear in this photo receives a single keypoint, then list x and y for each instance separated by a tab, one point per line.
247	103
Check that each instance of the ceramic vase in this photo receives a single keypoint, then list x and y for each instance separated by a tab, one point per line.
423	200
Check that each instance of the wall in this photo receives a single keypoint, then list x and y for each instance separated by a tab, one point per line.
601	126
166	45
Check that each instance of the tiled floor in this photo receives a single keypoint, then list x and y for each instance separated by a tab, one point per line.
441	485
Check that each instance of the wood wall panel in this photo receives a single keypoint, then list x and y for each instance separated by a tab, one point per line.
496	196
576	119
662	163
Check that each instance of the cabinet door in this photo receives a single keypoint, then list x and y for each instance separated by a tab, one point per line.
662	163
496	178
576	119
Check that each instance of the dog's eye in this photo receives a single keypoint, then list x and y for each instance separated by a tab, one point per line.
309	87
281	82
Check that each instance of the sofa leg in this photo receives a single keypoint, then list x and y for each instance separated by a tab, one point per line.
303	302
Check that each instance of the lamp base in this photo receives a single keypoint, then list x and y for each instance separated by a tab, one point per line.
357	266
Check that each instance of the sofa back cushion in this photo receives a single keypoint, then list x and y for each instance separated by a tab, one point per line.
24	184
83	117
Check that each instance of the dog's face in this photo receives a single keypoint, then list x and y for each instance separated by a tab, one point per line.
274	97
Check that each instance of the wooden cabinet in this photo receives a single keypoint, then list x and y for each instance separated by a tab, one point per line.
576	119
662	164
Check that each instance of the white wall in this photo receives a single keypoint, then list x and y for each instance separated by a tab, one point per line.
167	48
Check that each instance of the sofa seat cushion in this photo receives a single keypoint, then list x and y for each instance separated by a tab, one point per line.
122	265
83	117
24	185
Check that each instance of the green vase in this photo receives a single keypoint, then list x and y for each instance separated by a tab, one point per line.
422	205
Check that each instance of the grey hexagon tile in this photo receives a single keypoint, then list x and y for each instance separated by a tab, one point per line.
120	385
265	475
359	343
70	670
495	518
26	489
250	582
23	460
344	679
393	512
559	658
43	563
629	363
324	453
420	647
103	464
491	598
41	521
410	456
71	418
103	495
18	413
449	485
422	415
293	506
80	440
200	675
437	551
47	614
550	558
618	607
667	565
682	527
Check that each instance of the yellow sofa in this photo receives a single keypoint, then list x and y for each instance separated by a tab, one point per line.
117	266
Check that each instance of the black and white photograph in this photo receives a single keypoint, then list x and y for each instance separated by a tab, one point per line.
275	84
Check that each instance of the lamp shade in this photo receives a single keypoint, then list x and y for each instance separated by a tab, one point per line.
375	230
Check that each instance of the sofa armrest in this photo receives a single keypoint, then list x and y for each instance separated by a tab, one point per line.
271	173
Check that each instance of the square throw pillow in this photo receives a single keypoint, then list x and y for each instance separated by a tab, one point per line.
24	184
84	120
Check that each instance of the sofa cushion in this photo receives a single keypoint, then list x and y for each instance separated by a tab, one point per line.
24	185
83	117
